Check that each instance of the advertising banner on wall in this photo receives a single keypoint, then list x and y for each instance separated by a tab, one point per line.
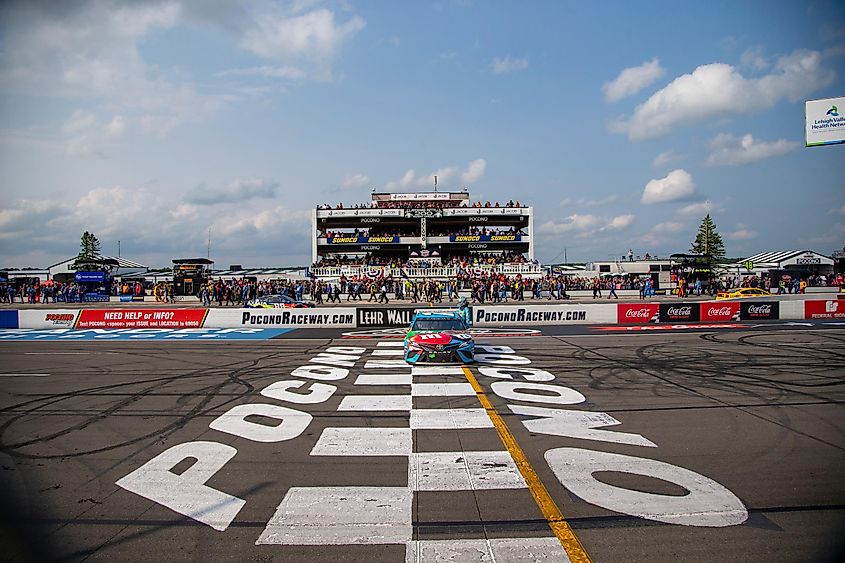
141	318
637	313
825	121
828	309
720	311
47	318
485	238
391	316
335	317
759	310
679	312
360	239
530	315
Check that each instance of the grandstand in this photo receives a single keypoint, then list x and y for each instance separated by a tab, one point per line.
432	235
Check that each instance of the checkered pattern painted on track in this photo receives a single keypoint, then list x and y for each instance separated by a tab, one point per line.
458	475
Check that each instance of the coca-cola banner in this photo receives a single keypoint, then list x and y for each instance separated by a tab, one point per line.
679	312
637	313
829	309
759	310
716	311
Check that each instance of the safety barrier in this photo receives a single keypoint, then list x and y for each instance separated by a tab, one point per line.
482	315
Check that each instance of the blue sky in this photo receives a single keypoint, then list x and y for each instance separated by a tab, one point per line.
622	123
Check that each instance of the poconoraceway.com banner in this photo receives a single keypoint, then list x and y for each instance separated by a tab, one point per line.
334	317
529	315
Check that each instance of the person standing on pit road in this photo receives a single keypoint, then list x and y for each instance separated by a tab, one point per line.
382	297
612	287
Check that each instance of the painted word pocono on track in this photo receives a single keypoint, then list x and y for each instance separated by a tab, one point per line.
531	393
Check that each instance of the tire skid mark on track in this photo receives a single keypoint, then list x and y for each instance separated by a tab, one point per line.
666	366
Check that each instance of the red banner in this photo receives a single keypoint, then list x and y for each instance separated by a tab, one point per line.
637	313
726	311
830	309
141	318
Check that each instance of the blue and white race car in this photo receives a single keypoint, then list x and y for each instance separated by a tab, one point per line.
439	337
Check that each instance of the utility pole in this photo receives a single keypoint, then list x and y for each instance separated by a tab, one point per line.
208	251
118	249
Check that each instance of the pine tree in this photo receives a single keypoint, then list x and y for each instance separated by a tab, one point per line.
89	246
708	240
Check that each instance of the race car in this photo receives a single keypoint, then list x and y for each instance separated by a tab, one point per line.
742	292
439	337
278	302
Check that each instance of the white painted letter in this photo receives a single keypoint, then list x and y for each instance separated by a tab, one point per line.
562	395
503	359
323	373
317	392
187	493
494	349
577	424
707	504
529	374
346	350
293	422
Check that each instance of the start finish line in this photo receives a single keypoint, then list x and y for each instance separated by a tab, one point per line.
143	334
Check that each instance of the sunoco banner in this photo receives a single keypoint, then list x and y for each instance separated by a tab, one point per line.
530	315
362	240
485	238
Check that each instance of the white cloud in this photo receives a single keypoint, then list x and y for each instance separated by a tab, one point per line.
238	191
632	80
699	209
677	185
356	181
443	176
742	234
587	202
571	223
406	181
313	36
728	150
46	230
117	127
474	171
266	71
666	158
620	222
754	59
840	210
502	65
718	89
669	227
585	225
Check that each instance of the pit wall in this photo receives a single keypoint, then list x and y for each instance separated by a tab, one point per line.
482	315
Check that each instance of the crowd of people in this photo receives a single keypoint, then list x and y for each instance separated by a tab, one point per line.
47	292
460	261
481	231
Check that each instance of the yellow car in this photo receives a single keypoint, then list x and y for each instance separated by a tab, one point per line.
742	292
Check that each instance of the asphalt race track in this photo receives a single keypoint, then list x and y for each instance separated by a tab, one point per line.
365	460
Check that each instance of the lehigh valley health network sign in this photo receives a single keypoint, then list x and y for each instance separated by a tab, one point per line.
825	121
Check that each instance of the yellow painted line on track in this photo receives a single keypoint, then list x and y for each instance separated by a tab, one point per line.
570	542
